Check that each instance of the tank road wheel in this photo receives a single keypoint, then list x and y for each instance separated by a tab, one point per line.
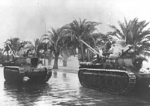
103	84
110	80
114	85
119	86
109	84
99	83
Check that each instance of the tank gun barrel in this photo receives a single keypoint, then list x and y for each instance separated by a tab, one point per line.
11	50
90	48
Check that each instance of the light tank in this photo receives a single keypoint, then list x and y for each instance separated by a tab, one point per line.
26	69
120	75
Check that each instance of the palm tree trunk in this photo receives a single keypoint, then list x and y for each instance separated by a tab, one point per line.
49	61
82	54
65	62
55	62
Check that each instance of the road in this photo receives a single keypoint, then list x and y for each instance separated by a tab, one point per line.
63	89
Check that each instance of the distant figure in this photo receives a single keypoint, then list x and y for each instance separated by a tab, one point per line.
145	67
117	49
99	49
40	65
107	46
28	61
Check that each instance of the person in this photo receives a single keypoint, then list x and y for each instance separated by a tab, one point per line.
39	64
117	49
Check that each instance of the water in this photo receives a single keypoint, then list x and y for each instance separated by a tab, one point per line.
63	89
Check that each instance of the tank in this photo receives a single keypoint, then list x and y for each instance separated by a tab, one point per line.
120	75
26	69
21	71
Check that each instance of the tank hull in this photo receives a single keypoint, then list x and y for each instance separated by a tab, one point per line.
113	80
14	74
41	75
10	64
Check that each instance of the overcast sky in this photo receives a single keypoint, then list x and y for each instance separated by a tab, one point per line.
26	18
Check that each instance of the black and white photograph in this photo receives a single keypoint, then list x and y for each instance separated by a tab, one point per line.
74	53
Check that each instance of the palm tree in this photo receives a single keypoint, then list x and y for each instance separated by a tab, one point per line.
134	32
67	52
39	45
12	44
37	42
68	49
100	39
6	49
55	40
81	30
1	55
45	45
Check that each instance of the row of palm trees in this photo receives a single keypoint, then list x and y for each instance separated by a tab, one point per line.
13	45
67	39
134	32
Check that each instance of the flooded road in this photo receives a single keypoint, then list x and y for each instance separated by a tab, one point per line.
63	89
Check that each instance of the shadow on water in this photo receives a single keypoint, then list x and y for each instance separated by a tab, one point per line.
26	94
140	94
94	97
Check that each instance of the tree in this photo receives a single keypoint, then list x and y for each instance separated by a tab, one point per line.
134	32
55	40
36	44
81	30
6	49
39	46
1	55
66	53
45	45
68	49
12	44
100	39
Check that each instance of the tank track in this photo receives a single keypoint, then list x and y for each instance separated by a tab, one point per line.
110	80
49	74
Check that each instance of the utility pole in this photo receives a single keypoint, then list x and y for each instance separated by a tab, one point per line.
44	45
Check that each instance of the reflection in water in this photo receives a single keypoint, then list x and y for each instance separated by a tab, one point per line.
64	75
63	89
55	74
26	93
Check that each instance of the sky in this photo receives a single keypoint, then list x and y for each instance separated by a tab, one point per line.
29	19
